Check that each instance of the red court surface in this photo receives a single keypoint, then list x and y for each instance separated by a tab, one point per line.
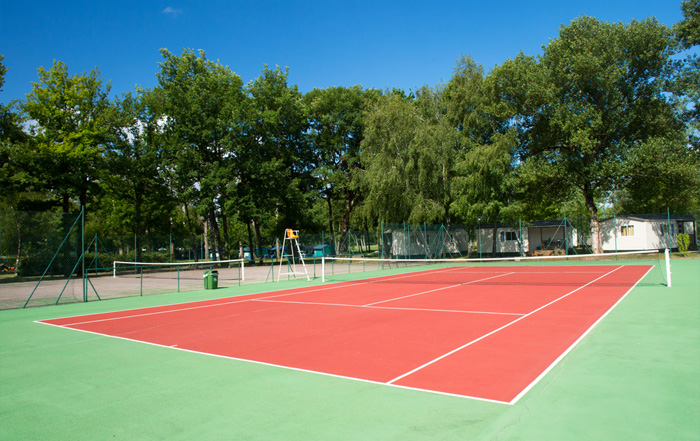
484	333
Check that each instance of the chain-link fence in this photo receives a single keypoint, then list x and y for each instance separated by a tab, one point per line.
39	247
42	259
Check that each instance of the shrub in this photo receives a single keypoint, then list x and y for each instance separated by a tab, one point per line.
683	242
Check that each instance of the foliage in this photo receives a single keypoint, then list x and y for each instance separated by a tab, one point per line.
592	98
407	156
688	29
337	122
683	242
71	131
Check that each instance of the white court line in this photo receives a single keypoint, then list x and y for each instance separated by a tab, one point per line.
435	360
458	311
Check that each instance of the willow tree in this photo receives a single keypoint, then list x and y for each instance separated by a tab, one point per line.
408	154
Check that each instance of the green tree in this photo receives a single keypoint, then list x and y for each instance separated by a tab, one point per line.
685	75
273	160
585	104
407	158
201	108
16	177
485	184
336	117
688	29
136	197
71	130
663	174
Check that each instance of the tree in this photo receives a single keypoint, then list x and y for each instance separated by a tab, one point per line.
685	75
202	106
136	197
407	158
663	174
336	117
484	185
273	159
16	177
591	98
71	130
688	29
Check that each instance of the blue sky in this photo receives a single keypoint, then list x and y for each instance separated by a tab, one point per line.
377	44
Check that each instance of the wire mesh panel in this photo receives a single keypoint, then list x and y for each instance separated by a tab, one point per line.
39	246
336	269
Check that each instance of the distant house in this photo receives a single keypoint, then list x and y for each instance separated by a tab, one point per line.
417	242
532	238
637	232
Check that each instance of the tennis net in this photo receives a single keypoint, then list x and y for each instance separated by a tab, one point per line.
180	276
556	268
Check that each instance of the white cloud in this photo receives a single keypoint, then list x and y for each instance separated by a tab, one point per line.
172	11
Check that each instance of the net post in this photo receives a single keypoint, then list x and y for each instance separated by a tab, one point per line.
667	254
242	270
323	269
114	269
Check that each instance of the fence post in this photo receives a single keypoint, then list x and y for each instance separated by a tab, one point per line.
615	230
667	255
520	236
668	220
82	249
425	239
566	237
478	240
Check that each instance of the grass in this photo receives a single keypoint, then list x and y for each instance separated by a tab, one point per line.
636	376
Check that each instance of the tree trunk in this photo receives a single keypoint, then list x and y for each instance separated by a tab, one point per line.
227	239
251	244
331	220
259	239
350	198
218	248
206	240
596	244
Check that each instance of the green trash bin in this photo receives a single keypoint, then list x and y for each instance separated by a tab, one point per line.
211	279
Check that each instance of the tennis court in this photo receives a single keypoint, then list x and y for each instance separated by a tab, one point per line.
494	352
485	333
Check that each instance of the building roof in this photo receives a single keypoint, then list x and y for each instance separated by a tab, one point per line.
316	247
652	217
526	224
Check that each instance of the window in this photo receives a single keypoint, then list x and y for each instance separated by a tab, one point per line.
627	230
664	229
508	235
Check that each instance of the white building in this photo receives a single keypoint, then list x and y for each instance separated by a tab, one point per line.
645	232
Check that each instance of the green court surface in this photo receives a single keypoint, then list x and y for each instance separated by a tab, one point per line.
636	376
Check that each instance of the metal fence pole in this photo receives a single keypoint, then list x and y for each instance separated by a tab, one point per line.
82	249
